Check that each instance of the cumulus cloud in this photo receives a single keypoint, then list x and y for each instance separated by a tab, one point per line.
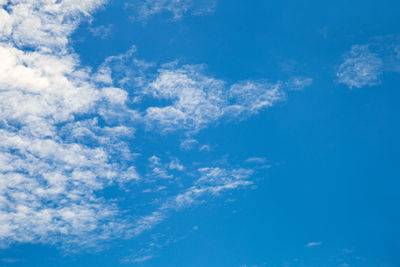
361	67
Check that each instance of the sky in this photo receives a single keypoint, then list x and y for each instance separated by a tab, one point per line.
199	133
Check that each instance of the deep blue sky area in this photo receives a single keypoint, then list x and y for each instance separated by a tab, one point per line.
327	193
240	41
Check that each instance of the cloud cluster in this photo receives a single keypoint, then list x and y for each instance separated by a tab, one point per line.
54	153
42	24
198	100
187	98
66	131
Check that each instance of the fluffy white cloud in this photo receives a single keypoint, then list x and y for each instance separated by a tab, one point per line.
42	24
198	100
52	162
361	67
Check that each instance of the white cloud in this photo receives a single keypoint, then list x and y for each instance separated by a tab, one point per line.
176	165
364	64
185	98
314	244
43	24
138	259
142	255
101	31
211	182
158	170
198	100
298	83
252	96
205	148
361	67
256	160
188	144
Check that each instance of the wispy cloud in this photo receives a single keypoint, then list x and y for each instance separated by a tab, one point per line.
364	64
314	244
158	170
348	250
11	260
188	144
178	8
198	100
361	67
142	255
176	165
298	83
101	31
189	99
256	160
211	182
205	148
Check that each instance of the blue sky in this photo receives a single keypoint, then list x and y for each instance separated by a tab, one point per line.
199	133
